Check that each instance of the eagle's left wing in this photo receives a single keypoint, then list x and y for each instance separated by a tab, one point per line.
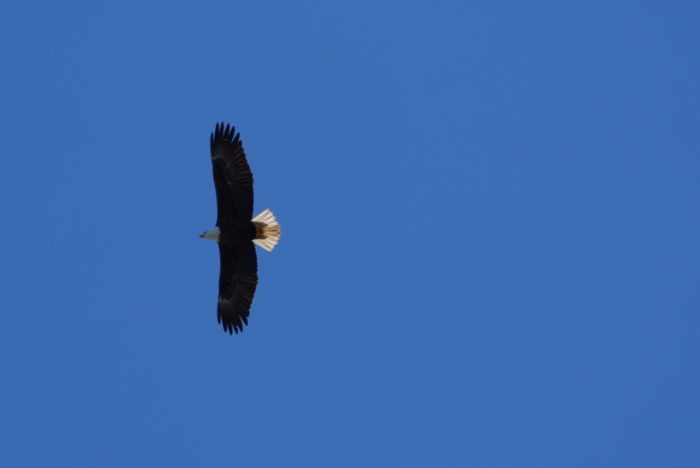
232	177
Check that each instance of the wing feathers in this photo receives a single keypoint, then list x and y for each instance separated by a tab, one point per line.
237	283
232	176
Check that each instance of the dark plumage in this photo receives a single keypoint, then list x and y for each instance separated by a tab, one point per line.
232	177
235	231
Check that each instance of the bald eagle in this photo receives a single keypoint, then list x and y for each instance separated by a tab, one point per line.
236	229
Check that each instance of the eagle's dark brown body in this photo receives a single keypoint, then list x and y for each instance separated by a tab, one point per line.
236	229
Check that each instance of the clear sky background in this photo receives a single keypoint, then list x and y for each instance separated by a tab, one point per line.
490	252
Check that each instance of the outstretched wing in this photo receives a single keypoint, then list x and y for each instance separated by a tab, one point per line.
238	279
232	177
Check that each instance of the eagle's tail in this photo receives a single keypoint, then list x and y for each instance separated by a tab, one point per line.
268	232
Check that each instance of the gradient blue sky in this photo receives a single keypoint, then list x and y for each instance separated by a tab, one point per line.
490	252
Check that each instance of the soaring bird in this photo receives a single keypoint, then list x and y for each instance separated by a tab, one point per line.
236	229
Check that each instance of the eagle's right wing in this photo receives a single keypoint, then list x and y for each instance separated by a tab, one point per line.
238	279
232	177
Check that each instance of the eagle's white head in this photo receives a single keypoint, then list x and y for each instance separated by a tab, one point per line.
212	234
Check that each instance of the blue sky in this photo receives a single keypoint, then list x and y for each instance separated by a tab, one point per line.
490	250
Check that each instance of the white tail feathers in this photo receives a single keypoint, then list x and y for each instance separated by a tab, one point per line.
268	230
